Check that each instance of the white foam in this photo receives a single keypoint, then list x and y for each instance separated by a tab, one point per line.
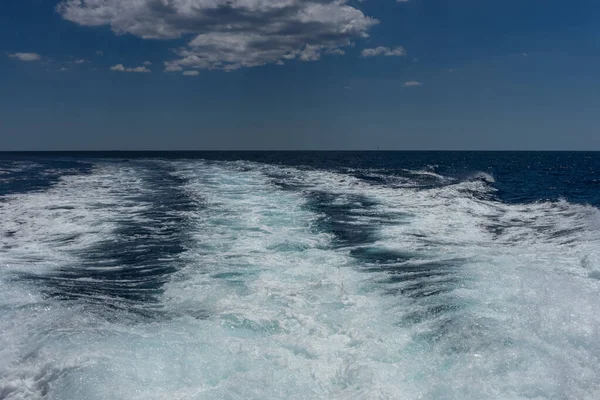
293	324
41	232
528	315
266	307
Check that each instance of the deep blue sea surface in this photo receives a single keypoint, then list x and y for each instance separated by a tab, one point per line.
300	275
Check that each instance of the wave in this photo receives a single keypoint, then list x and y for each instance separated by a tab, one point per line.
302	283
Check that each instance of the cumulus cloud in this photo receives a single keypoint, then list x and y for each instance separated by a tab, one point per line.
384	51
121	68
25	56
412	84
191	73
118	67
230	34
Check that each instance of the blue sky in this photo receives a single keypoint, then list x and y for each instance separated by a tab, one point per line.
291	74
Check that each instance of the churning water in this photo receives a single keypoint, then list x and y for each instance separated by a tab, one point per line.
300	276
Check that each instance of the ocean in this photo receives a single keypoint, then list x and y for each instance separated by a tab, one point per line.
300	275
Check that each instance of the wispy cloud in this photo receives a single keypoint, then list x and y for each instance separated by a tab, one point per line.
412	84
25	56
169	67
191	73
121	68
384	51
138	69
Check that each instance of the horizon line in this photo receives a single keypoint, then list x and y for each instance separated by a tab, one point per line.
301	151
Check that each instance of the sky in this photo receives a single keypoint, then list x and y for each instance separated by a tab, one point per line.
299	75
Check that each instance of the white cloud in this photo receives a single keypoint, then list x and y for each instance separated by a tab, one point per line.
80	61
118	67
99	53
191	73
121	68
337	52
384	51
138	69
412	84
25	56
172	68
310	53
147	63
230	34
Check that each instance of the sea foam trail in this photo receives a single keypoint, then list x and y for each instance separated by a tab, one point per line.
264	309
311	284
500	300
43	232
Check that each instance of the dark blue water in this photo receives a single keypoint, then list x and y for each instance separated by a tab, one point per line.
519	176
